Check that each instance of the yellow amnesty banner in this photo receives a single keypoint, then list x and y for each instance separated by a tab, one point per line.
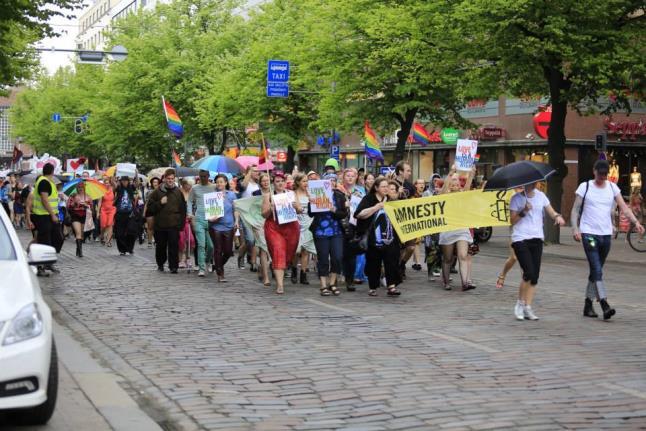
414	218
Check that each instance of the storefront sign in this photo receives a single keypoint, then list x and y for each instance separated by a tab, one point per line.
625	129
479	108
281	156
524	105
491	133
542	122
450	136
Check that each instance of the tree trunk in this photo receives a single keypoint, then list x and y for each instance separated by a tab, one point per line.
556	148
405	124
289	165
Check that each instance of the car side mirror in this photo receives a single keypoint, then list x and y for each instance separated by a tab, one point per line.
39	254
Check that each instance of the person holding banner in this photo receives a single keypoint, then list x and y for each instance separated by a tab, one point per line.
456	241
264	189
350	188
527	210
383	243
222	229
328	238
281	228
306	241
195	213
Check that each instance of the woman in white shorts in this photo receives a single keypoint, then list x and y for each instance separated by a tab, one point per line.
456	241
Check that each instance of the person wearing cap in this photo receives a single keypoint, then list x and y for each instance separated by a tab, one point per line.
312	176
282	239
124	202
591	220
331	165
329	238
168	206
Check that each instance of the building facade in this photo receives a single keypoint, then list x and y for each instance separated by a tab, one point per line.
508	130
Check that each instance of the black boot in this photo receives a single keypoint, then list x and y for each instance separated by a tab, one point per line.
608	311
588	309
304	278
79	248
294	275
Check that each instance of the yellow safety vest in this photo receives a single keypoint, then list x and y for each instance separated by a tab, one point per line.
37	204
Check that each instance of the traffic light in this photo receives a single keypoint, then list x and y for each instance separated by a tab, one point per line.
78	126
600	141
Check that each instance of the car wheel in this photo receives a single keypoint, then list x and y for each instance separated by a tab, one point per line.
40	414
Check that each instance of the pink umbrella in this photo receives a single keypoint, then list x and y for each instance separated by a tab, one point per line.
246	161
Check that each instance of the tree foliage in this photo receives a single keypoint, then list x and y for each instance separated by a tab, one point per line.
22	23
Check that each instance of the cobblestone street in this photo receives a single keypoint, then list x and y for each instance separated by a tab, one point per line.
200	355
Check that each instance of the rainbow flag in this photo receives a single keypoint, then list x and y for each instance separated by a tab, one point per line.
420	134
176	159
371	142
263	156
172	119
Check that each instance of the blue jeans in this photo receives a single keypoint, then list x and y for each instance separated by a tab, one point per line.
204	243
596	249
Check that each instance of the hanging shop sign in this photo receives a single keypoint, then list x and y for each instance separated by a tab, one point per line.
629	130
491	133
281	156
542	121
478	108
450	136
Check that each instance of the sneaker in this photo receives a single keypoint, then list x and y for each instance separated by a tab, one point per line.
241	262
201	273
160	268
436	273
529	313
519	311
53	269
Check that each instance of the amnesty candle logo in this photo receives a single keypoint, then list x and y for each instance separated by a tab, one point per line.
414	218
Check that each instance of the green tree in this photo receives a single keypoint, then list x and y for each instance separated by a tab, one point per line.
577	52
68	92
21	24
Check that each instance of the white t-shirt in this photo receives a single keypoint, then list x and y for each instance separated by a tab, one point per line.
530	226
597	208
251	187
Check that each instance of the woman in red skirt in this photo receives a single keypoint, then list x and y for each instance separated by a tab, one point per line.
282	239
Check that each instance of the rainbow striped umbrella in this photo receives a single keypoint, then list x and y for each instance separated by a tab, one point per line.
93	188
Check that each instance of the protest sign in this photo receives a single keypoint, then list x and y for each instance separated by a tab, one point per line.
354	203
214	205
465	154
285	211
75	166
126	170
414	218
320	192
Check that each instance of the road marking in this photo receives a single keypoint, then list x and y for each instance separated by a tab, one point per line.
330	306
625	390
461	341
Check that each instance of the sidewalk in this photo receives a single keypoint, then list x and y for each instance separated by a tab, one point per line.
620	252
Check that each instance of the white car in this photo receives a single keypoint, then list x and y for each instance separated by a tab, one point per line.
28	362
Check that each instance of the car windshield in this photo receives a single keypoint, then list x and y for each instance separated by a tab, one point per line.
7	250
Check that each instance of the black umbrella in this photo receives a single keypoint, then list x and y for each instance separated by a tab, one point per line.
519	174
183	171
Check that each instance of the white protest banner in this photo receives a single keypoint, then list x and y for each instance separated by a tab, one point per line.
320	192
126	170
75	166
354	203
214	205
465	154
285	211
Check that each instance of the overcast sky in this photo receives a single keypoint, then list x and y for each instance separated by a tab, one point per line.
68	30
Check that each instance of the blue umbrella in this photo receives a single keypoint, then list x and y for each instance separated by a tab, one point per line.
220	164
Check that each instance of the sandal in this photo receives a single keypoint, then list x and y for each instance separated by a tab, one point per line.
325	291
372	292
468	286
500	283
109	244
392	291
280	291
447	286
335	290
266	284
